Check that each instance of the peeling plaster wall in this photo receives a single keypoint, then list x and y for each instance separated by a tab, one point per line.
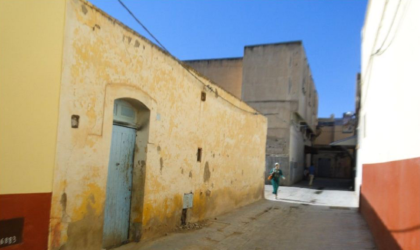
103	61
276	80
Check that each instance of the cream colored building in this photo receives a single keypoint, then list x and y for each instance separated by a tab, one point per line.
276	80
85	97
388	164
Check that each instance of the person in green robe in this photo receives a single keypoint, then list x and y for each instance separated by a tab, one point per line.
275	181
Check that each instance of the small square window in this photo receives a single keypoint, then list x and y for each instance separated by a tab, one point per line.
75	121
203	96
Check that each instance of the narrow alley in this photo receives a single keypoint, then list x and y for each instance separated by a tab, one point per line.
259	125
292	222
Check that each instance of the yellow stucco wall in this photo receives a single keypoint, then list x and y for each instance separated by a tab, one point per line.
31	38
104	61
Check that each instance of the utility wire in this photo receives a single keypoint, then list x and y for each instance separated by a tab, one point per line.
396	29
380	51
208	86
144	27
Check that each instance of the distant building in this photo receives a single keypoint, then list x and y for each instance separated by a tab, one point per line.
276	80
388	162
333	148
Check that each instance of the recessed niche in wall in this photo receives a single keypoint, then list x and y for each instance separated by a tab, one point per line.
199	152
75	121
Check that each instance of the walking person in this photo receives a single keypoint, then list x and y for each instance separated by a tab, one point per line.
275	175
311	174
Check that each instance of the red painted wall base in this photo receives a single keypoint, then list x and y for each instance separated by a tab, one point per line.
390	203
35	209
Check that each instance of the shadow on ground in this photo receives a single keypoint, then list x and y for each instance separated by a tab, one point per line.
327	184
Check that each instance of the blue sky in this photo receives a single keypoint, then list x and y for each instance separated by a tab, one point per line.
203	29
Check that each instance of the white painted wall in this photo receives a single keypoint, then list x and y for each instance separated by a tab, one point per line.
389	124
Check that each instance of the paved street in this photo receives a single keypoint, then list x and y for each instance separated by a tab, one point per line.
270	224
323	192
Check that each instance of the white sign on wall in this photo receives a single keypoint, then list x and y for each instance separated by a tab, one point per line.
188	200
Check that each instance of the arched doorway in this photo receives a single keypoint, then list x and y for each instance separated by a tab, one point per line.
129	140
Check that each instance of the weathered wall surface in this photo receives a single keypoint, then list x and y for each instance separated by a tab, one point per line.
269	72
308	97
279	118
227	73
104	61
278	83
388	154
30	75
333	129
326	136
331	134
278	73
296	156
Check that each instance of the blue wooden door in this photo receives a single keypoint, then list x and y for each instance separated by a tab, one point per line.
118	189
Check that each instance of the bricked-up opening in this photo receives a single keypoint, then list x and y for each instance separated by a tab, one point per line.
199	151
184	217
203	96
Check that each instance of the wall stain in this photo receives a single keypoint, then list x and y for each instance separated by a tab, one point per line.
207	173
225	199
155	214
84	9
63	202
85	233
56	235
